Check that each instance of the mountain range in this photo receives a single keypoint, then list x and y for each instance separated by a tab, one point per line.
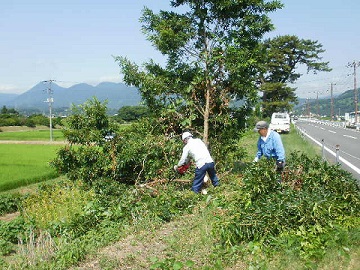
338	104
117	95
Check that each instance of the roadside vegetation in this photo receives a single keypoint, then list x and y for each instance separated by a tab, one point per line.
119	186
308	221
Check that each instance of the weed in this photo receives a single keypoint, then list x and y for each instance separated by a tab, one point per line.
37	247
169	263
54	207
9	203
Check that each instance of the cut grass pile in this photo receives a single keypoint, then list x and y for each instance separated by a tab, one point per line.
21	165
24	164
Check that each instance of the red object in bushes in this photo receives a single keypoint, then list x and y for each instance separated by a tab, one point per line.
183	168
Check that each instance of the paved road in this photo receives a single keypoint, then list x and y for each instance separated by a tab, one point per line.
340	144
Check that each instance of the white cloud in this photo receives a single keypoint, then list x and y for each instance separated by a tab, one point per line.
8	88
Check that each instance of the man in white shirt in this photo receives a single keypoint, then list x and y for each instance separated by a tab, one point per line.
197	150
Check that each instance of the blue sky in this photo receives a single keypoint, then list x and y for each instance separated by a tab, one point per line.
73	41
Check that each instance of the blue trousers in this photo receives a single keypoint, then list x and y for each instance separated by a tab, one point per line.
200	174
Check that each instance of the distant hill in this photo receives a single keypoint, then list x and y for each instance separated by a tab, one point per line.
6	98
343	103
117	95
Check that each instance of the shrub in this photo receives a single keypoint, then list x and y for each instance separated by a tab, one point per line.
9	202
53	207
144	151
314	201
5	247
10	233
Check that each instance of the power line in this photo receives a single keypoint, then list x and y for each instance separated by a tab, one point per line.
316	82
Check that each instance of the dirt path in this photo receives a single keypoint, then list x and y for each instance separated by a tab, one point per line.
9	217
134	251
187	238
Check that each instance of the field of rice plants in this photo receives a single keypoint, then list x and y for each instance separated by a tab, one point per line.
32	135
24	164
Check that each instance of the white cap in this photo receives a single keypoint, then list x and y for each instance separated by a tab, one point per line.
186	135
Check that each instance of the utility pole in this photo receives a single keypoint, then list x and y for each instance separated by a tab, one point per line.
355	64
308	108
50	101
332	102
317	104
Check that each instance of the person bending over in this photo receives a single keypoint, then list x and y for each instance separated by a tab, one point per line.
196	149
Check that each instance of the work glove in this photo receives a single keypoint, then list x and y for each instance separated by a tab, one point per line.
176	168
280	165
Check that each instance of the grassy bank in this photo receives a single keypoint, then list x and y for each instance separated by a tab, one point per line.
130	227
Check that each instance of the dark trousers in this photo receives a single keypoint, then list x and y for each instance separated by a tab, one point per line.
200	174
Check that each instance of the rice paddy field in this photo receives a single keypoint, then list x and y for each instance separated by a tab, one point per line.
31	135
24	164
25	156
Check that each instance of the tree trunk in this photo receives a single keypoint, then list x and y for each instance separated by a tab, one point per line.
207	113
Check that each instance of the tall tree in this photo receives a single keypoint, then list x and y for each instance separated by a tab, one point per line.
284	54
4	110
213	54
88	123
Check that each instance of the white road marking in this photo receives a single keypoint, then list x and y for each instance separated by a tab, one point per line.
352	166
332	131
350	137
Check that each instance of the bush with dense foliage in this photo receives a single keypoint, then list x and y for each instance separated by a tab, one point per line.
143	152
9	203
301	209
313	209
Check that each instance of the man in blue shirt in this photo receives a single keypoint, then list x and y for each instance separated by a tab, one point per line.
269	145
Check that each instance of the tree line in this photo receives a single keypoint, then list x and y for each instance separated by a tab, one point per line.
217	54
12	117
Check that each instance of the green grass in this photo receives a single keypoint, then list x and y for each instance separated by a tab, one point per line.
33	135
294	142
201	245
24	164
